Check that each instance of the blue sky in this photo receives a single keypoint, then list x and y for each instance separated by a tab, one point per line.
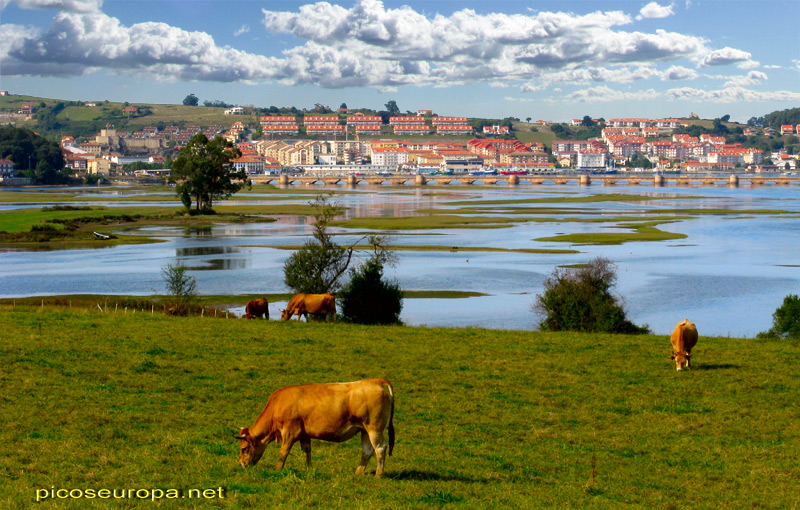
545	60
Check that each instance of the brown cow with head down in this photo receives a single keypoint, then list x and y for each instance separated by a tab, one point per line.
683	339
331	412
303	305
257	308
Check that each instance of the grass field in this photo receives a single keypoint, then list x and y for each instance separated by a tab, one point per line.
485	419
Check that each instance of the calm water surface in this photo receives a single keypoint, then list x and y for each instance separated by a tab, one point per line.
729	275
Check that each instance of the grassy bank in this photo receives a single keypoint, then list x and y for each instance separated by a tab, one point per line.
485	419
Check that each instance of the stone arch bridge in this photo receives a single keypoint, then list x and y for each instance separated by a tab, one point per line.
513	180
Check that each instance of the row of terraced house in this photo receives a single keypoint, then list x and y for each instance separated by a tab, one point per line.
321	125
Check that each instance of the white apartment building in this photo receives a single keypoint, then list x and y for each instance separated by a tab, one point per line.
389	157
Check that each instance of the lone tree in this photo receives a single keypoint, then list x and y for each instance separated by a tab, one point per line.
205	173
580	299
392	107
181	289
317	266
368	298
191	100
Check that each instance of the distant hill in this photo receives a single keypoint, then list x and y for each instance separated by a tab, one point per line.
777	119
77	118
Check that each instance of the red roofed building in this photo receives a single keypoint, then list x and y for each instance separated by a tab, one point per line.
279	124
6	168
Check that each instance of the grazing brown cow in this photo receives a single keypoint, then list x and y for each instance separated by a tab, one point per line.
256	308
303	305
331	412
683	339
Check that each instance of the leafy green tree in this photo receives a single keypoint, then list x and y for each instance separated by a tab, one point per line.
587	121
46	174
27	149
204	171
392	107
368	298
191	100
317	266
785	320
581	299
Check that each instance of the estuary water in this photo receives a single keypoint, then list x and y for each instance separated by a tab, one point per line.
728	275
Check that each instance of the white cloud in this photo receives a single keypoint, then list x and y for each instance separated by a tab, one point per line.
241	30
467	46
730	95
78	43
724	56
606	95
654	10
752	78
370	45
61	5
679	73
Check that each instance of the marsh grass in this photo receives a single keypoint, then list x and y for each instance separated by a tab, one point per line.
484	418
434	247
639	232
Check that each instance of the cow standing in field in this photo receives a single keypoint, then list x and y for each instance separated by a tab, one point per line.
303	305
257	308
683	339
331	412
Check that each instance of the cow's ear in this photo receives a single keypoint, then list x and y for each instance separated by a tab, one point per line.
672	357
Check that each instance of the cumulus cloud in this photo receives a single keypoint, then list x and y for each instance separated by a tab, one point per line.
604	94
61	5
679	73
241	30
724	56
730	95
654	10
369	45
752	78
78	43
467	46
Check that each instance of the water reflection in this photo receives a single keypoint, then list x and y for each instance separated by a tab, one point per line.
193	257
199	231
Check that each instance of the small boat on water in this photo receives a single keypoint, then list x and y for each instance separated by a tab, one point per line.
513	172
102	237
483	172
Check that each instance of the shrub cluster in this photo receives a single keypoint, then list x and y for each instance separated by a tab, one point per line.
369	299
580	299
785	320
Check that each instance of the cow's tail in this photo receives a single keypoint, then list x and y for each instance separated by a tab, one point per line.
391	419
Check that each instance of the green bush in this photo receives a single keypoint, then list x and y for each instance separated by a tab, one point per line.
368	298
181	289
580	299
785	320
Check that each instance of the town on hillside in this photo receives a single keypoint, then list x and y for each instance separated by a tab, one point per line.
354	143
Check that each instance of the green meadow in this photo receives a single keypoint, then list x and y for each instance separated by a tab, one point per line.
485	419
